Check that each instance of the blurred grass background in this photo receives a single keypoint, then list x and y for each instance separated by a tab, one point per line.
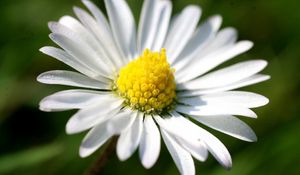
33	142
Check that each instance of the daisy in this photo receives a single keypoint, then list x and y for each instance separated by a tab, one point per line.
156	81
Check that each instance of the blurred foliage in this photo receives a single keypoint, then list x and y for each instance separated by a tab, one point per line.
34	142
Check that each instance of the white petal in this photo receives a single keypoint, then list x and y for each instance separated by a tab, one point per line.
165	10
153	25
122	25
216	110
66	58
198	151
199	40
103	37
181	30
130	139
70	99
185	139
177	124
148	21
103	32
150	143
209	43
95	138
122	121
232	98
187	130
72	28
70	78
229	125
98	113
75	26
82	53
99	16
181	157
205	64
246	82
225	76
224	38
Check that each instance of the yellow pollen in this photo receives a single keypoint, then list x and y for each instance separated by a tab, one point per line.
147	83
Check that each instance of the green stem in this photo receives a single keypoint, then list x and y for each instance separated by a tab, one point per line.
98	165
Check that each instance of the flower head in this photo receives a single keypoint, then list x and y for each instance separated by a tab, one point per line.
148	83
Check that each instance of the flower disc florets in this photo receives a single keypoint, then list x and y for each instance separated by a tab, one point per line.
147	83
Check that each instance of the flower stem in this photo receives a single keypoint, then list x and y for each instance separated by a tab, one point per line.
98	165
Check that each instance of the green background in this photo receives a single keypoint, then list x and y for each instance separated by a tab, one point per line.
34	142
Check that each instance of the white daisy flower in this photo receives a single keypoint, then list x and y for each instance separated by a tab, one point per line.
152	82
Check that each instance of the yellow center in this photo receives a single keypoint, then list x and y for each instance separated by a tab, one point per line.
147	83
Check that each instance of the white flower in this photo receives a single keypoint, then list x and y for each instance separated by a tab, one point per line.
152	82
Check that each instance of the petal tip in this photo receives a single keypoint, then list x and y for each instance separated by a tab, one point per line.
39	78
254	139
42	108
51	25
266	101
121	156
217	17
77	10
69	127
83	153
227	164
248	44
52	36
44	49
146	164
